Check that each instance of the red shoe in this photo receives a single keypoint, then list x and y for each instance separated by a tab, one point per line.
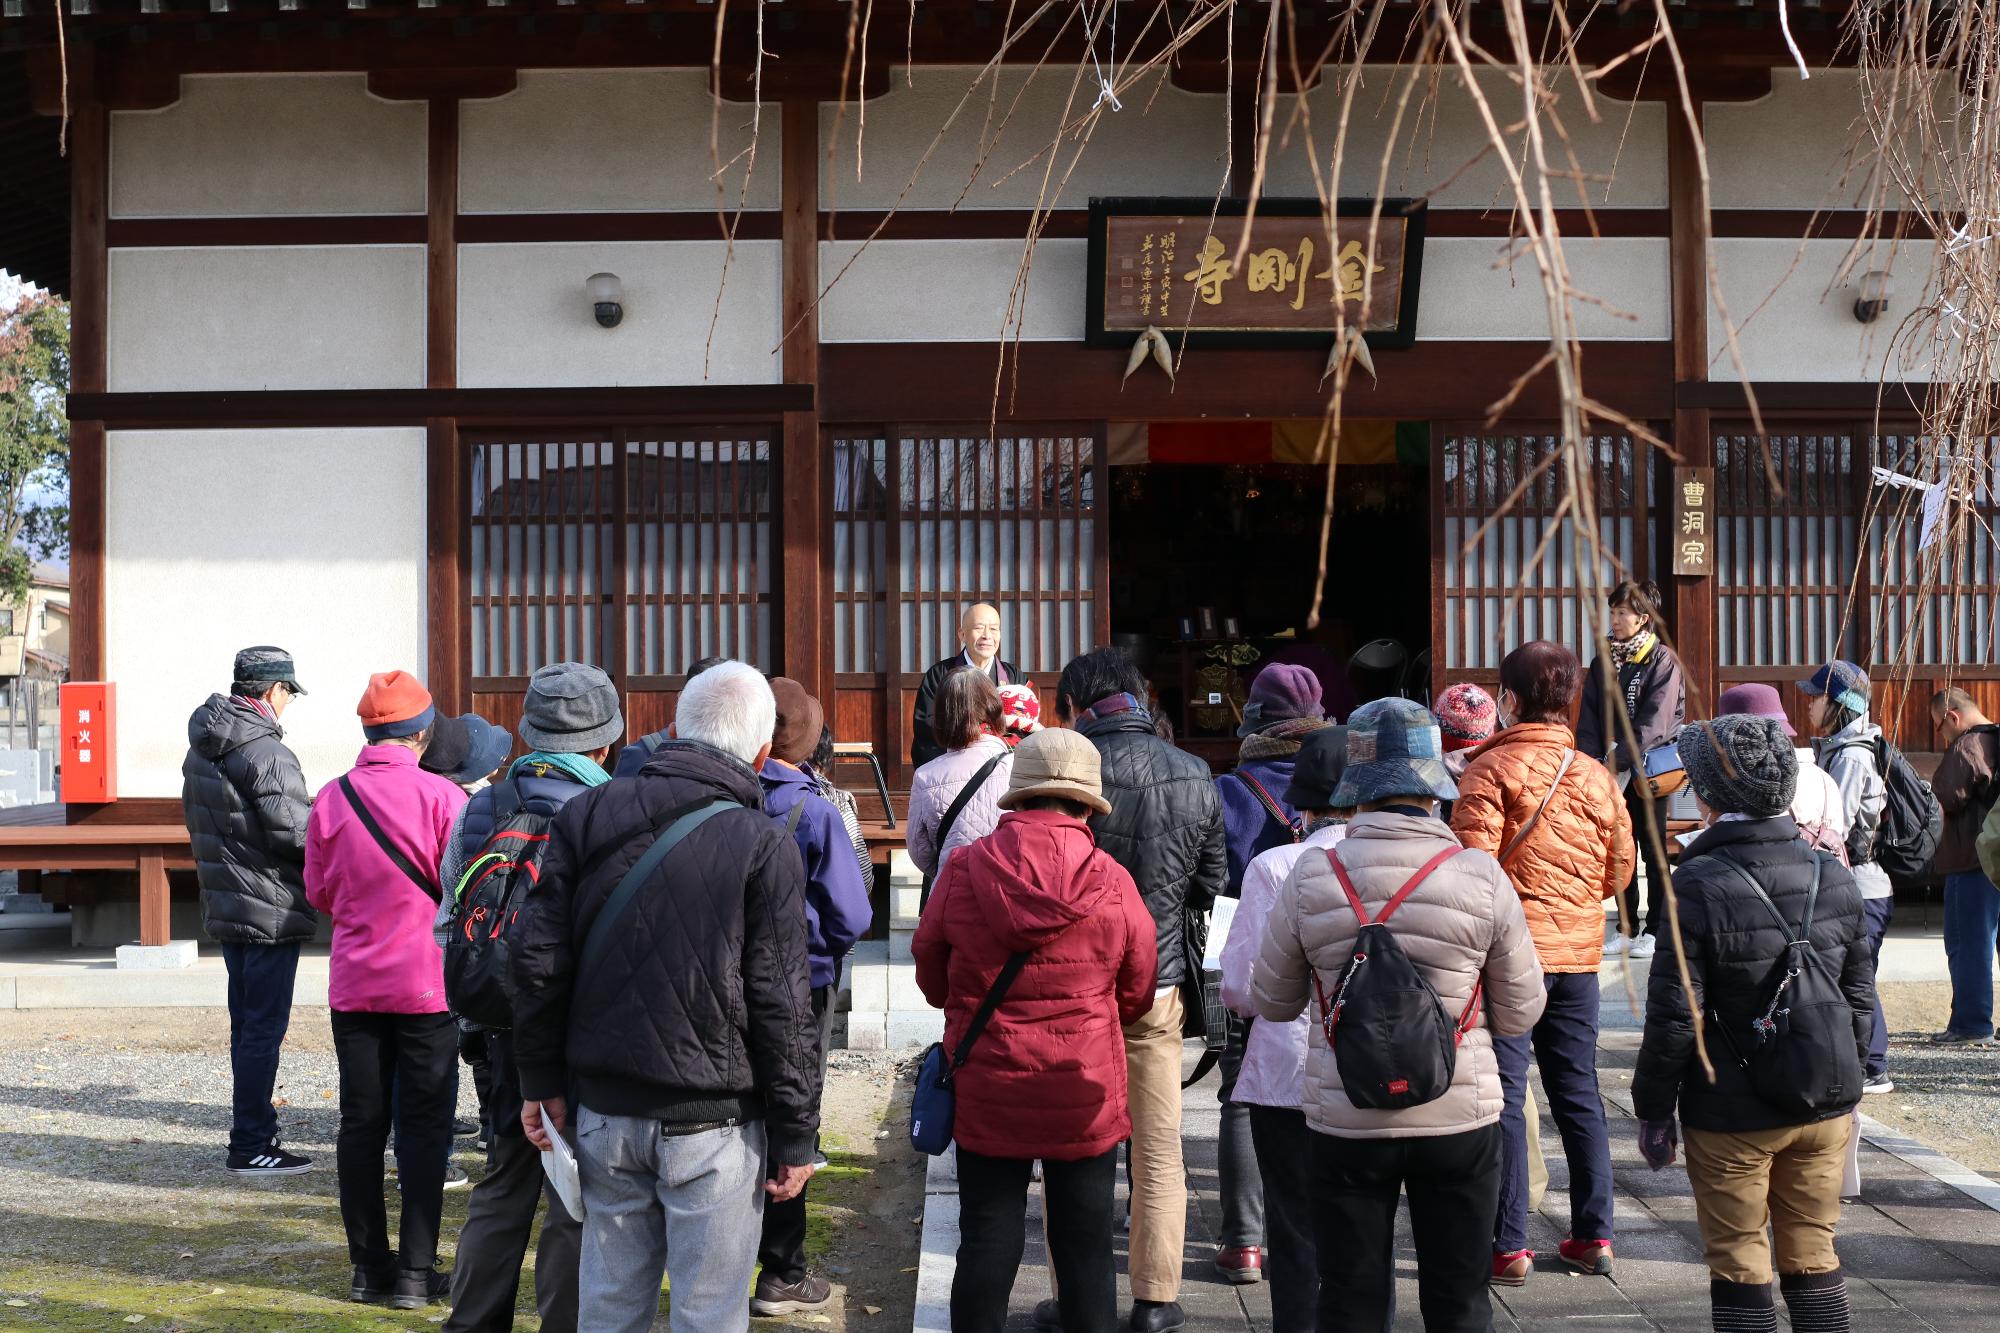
1588	1256
1240	1264
1511	1270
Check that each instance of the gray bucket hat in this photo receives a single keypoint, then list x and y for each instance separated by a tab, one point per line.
572	708
1393	749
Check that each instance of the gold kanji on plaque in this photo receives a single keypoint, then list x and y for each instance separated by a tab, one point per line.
1211	271
1693	491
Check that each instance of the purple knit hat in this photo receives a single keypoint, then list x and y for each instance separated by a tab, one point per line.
1466	716
1282	692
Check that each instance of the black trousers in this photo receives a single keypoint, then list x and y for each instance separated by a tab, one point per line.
260	1012
486	1278
1453	1181
408	1062
782	1249
992	1232
1656	873
1291	1260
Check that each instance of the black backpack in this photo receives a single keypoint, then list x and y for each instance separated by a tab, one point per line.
478	950
1391	1040
1800	1055
1912	819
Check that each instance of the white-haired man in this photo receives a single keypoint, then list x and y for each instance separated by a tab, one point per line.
979	650
695	1100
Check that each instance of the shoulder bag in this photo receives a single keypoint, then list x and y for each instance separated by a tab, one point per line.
685	821
951	814
934	1104
389	849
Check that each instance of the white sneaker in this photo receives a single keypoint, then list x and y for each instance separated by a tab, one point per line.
1875	1083
1642	946
1616	945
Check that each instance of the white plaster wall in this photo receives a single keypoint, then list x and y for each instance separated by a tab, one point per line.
1793	324
309	539
1788	149
277	317
523	319
1165	141
269	145
1471	291
1441	135
951	291
579	141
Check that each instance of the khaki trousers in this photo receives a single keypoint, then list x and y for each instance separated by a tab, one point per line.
1159	1175
1788	1179
1538	1166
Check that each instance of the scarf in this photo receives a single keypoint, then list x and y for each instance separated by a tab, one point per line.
1280	740
261	707
578	767
1625	652
1112	706
1327	821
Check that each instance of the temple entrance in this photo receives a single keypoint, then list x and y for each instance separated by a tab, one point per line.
1215	542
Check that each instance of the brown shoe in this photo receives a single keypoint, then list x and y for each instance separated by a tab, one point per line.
1240	1264
1511	1270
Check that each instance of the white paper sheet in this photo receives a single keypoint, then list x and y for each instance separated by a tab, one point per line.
1219	917
560	1164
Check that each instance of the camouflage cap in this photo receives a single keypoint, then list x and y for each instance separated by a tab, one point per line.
266	662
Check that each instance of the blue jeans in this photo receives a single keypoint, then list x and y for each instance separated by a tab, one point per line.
1878	911
689	1207
260	1012
1971	935
1565	1044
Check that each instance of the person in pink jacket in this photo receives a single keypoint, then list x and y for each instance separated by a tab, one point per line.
373	845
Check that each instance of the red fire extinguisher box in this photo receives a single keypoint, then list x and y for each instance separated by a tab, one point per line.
90	742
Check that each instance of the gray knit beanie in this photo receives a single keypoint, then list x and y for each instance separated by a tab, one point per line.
1740	764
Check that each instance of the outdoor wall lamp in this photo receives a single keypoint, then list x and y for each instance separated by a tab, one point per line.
1875	291
607	296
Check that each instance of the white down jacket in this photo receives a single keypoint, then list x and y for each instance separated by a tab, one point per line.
1461	927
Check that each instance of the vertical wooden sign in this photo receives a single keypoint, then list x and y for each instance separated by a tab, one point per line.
1693	534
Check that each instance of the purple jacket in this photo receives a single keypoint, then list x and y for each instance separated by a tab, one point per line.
384	958
1247	827
837	910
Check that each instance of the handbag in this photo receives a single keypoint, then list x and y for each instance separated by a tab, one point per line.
934	1104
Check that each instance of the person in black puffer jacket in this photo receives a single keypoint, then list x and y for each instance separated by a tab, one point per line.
689	1046
1165	828
1744	1152
244	799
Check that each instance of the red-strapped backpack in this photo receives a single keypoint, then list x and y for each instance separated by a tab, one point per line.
478	951
1396	1048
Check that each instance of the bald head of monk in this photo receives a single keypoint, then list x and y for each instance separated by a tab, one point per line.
979	633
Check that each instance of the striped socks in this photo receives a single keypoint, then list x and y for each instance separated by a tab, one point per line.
1741	1307
1818	1301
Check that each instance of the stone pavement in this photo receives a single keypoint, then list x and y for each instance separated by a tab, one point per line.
1921	1253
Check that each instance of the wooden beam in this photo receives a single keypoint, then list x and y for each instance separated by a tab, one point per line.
90	154
156	917
807	643
445	562
441	244
445	84
415	407
1691	612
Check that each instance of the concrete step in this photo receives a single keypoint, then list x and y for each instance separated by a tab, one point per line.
25	904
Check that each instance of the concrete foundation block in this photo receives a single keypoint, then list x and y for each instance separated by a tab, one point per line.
906	900
911	1028
904	994
871	988
867	1032
7	993
157	957
899	945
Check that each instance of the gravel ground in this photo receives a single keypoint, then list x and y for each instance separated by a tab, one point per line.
1947	1096
114	1208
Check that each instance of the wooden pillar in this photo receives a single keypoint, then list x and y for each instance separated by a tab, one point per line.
90	151
807	647
444	469
155	903
1691	600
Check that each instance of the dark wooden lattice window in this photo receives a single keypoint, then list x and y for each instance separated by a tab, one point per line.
1935	606
1785	555
1520	580
636	549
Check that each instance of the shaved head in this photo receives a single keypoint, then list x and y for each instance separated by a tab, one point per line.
979	632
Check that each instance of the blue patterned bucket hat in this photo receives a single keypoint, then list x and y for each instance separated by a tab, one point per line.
1393	749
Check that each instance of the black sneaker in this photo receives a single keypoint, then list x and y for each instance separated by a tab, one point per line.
418	1287
773	1297
1157	1316
268	1161
372	1286
1048	1313
462	1128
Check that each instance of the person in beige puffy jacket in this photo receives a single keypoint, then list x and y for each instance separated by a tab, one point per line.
1463	929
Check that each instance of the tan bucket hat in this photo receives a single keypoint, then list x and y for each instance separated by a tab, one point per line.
1055	762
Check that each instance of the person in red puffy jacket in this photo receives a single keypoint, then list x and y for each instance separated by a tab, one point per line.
1046	1079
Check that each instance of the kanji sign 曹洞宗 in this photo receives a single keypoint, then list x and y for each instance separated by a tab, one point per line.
1693	537
1185	267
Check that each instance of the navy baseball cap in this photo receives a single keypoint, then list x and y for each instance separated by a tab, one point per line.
1836	678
